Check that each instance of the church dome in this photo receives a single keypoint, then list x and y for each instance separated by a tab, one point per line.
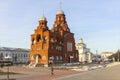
60	12
43	18
81	40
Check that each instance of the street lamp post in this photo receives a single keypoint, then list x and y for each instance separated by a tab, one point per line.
118	56
8	73
6	63
8	59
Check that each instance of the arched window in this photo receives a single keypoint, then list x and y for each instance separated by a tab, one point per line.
57	58
60	57
33	41
38	38
1	56
52	39
45	38
6	55
69	46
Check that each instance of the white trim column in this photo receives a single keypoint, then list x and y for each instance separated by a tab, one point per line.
36	58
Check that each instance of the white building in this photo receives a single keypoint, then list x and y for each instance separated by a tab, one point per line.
16	55
84	53
105	55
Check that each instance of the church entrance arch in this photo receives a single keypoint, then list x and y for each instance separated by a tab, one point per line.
37	57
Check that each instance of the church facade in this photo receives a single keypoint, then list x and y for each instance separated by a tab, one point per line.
85	56
57	44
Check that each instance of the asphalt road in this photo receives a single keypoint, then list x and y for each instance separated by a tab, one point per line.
109	73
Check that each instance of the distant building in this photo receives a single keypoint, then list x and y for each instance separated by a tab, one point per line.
106	55
96	58
16	55
57	44
84	53
115	56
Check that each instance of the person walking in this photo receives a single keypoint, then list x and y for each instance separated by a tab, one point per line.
52	69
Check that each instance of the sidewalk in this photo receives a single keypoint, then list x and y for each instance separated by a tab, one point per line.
37	73
44	73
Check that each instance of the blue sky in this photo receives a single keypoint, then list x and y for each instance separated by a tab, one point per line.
96	21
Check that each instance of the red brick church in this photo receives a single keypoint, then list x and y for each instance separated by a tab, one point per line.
57	44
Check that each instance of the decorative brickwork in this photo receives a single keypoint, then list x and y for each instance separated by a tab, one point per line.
57	44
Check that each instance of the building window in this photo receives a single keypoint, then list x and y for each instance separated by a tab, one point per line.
52	39
38	38
24	55
1	56
6	55
58	18
60	48
45	38
69	46
18	55
33	41
52	58
76	55
60	57
57	58
21	55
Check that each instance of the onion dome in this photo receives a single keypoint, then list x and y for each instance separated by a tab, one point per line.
43	18
81	40
60	12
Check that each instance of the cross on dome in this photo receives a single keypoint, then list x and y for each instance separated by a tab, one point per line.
43	17
60	10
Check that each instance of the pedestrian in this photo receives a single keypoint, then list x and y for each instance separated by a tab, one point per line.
52	69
